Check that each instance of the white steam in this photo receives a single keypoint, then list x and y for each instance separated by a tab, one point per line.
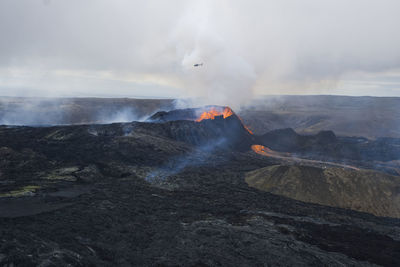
266	47
225	78
16	111
126	114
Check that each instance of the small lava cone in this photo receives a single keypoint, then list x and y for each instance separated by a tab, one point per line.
210	125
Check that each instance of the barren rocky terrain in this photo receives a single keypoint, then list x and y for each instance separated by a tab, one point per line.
362	190
166	193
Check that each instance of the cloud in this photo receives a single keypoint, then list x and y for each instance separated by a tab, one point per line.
148	48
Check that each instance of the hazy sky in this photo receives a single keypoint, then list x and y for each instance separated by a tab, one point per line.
148	48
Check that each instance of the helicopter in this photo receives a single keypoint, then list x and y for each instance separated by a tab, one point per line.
198	65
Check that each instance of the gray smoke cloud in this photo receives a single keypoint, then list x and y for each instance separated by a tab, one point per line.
136	48
16	111
198	157
126	114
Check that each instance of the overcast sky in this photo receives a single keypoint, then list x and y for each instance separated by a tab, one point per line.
148	48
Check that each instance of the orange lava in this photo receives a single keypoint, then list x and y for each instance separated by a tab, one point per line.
213	112
262	150
247	128
265	151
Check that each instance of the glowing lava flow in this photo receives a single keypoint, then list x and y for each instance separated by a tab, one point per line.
262	150
214	112
265	151
247	128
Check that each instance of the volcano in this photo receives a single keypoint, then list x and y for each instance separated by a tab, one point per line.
206	125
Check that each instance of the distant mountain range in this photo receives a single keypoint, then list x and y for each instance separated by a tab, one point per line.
370	117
